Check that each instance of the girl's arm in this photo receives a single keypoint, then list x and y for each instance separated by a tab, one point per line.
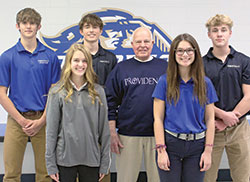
205	162
159	112
104	135
53	117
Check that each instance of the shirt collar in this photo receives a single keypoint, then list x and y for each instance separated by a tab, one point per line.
39	47
190	81
74	86
210	54
100	50
149	59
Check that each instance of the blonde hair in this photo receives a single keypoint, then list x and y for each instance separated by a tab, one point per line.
218	20
89	76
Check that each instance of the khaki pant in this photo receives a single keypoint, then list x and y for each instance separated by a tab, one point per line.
129	161
15	142
236	141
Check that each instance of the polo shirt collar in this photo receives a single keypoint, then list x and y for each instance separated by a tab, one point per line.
39	47
211	56
191	81
100	51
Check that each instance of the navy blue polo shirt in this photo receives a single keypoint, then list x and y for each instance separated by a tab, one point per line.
103	63
187	116
228	77
29	75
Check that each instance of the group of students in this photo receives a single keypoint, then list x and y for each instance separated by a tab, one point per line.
93	107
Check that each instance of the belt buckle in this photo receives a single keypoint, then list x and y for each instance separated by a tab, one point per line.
190	137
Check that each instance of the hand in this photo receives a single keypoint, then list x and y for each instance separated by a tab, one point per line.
220	125
33	127
116	144
101	176
230	118
163	161
55	177
24	122
238	114
205	161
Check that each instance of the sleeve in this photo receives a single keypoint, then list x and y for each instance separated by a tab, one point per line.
114	61
5	69
56	69
246	72
113	92
160	89
211	93
53	117
104	135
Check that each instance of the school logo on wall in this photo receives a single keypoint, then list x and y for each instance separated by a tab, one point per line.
116	37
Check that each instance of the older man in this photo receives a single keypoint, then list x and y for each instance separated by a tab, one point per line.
129	93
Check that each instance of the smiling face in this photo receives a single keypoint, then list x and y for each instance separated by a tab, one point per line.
78	64
91	33
142	43
220	35
184	54
28	30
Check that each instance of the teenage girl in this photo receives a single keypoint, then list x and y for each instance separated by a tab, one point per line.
184	115
77	134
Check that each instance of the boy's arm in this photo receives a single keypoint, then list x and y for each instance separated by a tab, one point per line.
10	108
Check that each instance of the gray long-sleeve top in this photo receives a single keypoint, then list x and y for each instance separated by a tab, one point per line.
77	132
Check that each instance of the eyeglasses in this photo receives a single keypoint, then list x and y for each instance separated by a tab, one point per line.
180	52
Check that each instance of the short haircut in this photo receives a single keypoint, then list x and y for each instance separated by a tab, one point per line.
218	20
28	15
91	19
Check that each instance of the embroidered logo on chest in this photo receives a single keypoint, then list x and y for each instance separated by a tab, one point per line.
233	66
104	61
43	61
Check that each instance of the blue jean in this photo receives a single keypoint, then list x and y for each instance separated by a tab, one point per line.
184	159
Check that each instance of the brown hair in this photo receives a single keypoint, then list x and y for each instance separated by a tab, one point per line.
91	19
28	15
197	72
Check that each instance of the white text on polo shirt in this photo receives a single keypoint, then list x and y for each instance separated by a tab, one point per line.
104	61
233	66
140	81
43	61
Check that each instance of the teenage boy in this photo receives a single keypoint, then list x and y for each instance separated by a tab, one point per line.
27	69
229	71
103	61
